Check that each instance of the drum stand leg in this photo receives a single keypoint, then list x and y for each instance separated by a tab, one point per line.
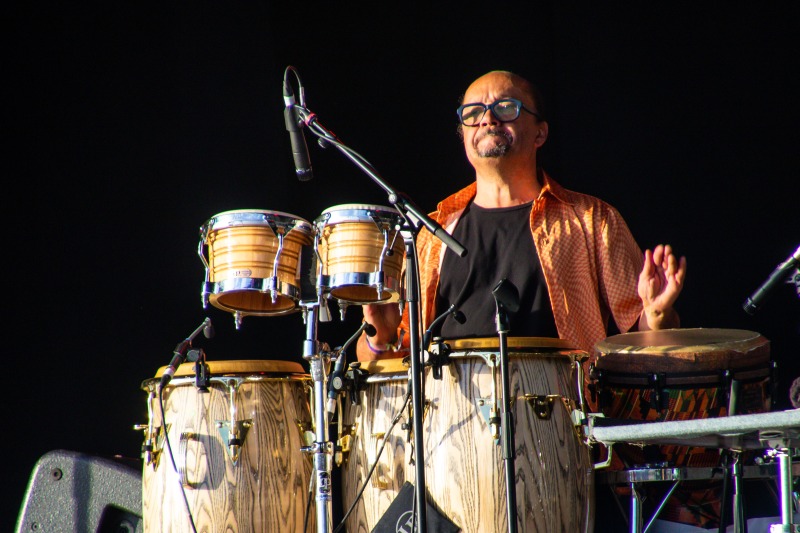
322	447
785	485
657	511
636	509
739	518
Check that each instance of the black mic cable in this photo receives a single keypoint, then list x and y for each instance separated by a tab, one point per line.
336	381
457	315
181	351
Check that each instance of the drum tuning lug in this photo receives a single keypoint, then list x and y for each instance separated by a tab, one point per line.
306	431
237	320
379	290
542	404
489	411
234	439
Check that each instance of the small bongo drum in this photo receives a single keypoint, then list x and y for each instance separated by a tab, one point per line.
680	374
252	261
360	253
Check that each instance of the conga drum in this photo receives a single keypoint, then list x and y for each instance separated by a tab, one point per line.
375	443
236	447
252	259
464	466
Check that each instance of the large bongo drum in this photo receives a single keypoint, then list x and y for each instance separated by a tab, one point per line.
252	261
680	374
464	466
236	446
360	252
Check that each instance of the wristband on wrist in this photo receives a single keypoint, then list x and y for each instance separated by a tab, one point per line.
378	351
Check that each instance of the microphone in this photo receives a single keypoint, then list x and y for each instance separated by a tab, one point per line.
506	297
778	276
451	311
336	383
302	163
180	353
208	329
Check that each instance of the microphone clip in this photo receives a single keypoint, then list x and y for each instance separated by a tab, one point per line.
202	373
438	356
355	380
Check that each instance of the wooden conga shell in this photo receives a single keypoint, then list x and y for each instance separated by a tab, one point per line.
267	489
464	468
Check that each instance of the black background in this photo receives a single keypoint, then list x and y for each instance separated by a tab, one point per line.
132	123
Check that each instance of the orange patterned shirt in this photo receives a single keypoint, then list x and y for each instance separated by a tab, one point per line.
589	258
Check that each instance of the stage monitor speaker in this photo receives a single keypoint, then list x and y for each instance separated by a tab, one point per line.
79	493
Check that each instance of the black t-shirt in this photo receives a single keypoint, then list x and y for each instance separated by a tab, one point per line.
499	245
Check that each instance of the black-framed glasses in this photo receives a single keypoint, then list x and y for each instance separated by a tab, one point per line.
505	110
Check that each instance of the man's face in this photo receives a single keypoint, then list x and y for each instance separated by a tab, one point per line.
491	138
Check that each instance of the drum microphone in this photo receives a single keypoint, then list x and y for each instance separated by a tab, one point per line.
457	315
302	163
506	297
780	275
181	351
336	382
208	329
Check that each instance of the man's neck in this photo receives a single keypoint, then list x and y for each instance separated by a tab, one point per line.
504	189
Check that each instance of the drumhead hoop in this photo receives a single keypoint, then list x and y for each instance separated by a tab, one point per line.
386	366
356	213
511	342
254	217
249	366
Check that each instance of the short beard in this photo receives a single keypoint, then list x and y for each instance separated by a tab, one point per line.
497	150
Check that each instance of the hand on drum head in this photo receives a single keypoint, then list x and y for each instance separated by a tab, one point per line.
660	283
386	319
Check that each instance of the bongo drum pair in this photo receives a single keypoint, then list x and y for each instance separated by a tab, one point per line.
257	261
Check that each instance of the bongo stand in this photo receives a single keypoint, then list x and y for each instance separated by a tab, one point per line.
414	220
322	448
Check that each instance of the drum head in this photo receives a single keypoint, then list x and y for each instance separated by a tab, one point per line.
248	366
682	350
254	217
356	213
524	343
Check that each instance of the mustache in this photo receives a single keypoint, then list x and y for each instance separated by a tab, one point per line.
493	132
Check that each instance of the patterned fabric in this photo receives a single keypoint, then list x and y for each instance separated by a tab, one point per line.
698	502
590	261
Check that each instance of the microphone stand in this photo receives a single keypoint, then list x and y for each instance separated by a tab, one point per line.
414	218
507	298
